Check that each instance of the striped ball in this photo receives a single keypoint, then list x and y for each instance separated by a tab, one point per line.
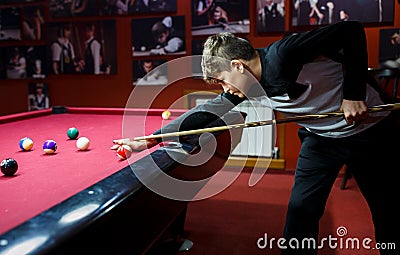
49	146
26	144
124	152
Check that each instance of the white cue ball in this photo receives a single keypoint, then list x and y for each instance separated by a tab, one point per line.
83	143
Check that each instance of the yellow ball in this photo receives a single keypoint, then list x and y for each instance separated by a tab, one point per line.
26	144
166	114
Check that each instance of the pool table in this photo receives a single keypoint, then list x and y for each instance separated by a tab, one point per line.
88	202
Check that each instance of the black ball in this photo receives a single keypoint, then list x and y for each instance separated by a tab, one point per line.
9	166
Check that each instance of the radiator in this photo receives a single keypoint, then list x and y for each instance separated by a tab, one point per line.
256	141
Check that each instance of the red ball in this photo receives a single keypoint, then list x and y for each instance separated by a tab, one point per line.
124	152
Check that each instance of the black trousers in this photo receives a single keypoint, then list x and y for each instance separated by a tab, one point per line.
373	158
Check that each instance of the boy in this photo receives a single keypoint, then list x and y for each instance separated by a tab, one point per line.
322	70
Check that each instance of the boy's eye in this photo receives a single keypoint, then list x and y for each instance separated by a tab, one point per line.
214	81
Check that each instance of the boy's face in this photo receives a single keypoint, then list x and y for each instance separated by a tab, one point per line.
148	66
162	38
237	81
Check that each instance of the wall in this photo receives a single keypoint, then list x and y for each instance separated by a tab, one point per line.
114	90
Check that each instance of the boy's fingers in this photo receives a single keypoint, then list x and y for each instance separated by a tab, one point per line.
115	147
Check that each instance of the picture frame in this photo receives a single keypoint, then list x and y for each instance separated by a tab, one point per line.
112	8
10	23
20	1
389	48
38	96
36	64
147	72
220	16
152	6
16	62
304	15
26	62
73	8
2	63
158	36
73	56
33	23
270	16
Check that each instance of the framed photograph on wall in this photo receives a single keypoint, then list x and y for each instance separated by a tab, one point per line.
270	16
2	63
17	62
151	6
20	1
197	50
212	17
38	96
113	7
33	23
150	72
36	62
305	13
389	48
82	47
158	36
26	62
10	28
71	8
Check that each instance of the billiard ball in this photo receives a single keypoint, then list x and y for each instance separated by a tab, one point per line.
72	133
83	143
124	151
166	114
9	166
49	146
26	144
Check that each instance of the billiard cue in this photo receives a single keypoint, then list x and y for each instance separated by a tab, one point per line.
378	108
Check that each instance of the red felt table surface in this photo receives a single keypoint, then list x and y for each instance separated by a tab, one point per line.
44	180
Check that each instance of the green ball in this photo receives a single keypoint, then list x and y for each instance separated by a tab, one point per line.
72	133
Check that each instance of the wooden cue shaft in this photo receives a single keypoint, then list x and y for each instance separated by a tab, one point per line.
378	108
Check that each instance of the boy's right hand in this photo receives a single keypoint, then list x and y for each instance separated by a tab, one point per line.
135	145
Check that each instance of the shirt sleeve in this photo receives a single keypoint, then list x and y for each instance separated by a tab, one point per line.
173	45
56	52
201	115
96	47
344	42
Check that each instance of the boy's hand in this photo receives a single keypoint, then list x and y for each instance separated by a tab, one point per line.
354	111
135	145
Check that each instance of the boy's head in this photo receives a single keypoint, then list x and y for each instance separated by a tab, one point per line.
218	52
225	61
65	30
160	32
89	30
147	65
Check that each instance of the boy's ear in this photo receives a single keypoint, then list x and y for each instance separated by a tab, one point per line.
237	65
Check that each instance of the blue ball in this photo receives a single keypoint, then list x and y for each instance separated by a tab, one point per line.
49	146
26	144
